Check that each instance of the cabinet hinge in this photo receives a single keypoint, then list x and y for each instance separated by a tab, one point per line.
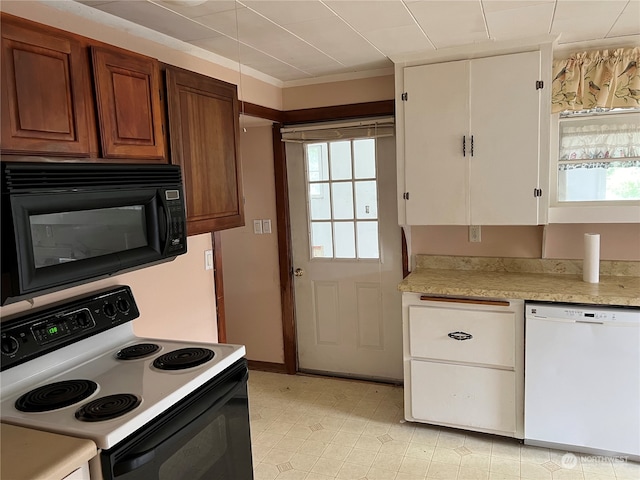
162	128
537	192
405	195
404	96
539	84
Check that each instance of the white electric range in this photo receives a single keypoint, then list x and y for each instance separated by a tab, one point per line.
78	369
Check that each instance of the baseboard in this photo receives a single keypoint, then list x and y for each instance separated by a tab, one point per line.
267	366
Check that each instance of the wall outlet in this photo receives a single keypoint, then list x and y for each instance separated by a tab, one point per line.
208	259
257	227
266	226
474	233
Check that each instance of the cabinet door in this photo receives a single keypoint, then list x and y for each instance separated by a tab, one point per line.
128	98
44	93
436	124
505	116
204	135
460	395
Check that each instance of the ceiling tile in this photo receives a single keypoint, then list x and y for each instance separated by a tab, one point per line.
450	23
629	22
220	45
373	15
194	11
157	18
521	21
399	40
331	35
585	19
499	5
287	12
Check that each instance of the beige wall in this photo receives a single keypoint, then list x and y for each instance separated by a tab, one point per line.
252	90
176	299
339	93
250	262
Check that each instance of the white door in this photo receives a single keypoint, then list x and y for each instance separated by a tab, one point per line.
437	143
505	121
348	257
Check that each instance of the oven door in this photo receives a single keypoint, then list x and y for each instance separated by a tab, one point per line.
205	436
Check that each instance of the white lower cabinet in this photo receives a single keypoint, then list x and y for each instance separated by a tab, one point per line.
463	363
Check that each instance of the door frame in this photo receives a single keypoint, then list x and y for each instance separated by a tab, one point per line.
285	252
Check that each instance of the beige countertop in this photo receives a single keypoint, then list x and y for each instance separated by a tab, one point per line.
460	280
28	454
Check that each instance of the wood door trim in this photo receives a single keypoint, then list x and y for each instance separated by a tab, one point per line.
216	245
267	366
285	252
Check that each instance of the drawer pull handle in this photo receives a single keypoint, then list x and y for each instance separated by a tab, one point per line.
460	336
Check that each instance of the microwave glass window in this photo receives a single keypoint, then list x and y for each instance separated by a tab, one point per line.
70	236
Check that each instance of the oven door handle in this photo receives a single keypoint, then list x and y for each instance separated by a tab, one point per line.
132	462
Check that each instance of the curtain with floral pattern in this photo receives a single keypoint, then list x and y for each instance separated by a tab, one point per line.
596	79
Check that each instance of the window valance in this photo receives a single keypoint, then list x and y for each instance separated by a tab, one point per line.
596	79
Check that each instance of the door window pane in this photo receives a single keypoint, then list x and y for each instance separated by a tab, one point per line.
321	240
364	158
317	162
342	201
336	199
319	201
340	153
366	200
368	240
345	240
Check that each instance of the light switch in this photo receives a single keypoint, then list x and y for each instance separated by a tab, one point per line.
266	226
208	259
257	227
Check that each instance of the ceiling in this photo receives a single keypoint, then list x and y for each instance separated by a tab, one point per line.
294	40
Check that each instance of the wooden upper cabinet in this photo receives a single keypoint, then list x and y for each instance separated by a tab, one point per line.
44	93
128	103
204	136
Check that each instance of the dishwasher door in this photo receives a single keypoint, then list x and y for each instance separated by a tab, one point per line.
582	378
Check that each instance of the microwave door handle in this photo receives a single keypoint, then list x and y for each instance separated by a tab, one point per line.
131	463
162	224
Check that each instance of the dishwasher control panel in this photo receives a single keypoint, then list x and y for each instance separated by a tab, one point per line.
583	313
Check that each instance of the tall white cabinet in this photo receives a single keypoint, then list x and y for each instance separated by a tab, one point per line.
472	141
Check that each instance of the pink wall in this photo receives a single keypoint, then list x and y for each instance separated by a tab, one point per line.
250	261
617	241
525	242
176	299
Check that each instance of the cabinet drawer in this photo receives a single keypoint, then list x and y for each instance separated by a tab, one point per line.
492	340
476	397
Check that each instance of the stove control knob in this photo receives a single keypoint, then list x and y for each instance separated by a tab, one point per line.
123	305
9	345
83	319
109	309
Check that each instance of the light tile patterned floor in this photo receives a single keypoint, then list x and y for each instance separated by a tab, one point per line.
317	428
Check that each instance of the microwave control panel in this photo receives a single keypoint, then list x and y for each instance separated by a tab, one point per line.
37	333
177	230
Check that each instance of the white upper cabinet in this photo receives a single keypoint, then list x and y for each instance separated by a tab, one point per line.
472	142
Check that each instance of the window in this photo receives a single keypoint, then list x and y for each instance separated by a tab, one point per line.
599	158
342	199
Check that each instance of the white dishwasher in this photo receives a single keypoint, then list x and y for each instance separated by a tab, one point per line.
582	378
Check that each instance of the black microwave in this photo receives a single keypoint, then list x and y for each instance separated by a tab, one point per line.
64	224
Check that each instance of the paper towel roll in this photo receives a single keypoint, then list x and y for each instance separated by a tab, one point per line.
591	263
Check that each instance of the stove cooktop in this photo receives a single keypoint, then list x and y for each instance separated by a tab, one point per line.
108	397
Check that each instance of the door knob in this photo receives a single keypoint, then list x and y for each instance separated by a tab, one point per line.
299	272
